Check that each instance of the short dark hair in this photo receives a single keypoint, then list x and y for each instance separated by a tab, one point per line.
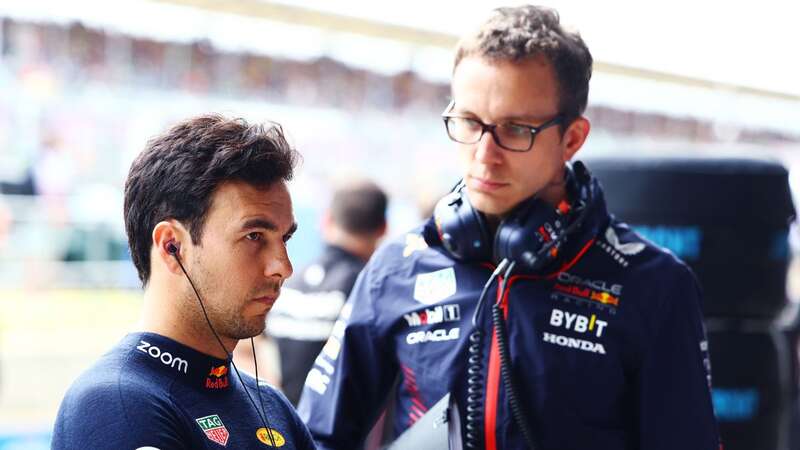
178	172
518	33
359	208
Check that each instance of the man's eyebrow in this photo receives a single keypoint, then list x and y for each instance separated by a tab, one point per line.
258	222
509	118
267	225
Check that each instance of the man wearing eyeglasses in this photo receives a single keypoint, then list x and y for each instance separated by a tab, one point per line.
595	338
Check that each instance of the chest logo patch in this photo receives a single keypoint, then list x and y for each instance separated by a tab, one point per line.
436	286
214	429
264	437
217	378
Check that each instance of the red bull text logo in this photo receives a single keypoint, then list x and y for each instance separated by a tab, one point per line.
217	378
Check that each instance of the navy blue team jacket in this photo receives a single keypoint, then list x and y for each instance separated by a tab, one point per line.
150	391
607	345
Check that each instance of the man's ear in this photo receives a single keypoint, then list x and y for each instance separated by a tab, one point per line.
575	136
167	238
382	230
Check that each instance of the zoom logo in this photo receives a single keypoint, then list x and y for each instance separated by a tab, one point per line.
166	358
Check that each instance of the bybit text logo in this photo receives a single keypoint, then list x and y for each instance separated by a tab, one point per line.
578	322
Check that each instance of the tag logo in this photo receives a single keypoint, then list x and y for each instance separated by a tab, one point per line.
214	429
264	437
435	286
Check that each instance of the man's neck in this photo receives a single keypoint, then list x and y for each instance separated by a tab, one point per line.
164	312
553	194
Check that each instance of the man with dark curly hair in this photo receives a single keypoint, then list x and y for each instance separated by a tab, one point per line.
522	315
208	214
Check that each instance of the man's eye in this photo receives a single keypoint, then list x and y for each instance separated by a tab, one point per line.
516	130
470	124
287	237
254	236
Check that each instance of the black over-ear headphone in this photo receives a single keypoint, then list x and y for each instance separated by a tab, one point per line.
530	235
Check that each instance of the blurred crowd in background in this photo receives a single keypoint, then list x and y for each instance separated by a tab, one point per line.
78	102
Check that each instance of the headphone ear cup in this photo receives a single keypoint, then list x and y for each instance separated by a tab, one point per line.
522	236
462	229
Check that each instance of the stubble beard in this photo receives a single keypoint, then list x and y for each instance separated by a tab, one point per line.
225	314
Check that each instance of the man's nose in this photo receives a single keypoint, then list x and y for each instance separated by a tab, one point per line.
486	149
279	265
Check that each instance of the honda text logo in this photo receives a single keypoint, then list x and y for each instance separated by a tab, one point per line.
570	342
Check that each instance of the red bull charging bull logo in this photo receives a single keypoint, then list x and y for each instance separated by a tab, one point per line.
217	378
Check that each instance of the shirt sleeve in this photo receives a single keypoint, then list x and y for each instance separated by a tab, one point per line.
112	416
351	377
675	379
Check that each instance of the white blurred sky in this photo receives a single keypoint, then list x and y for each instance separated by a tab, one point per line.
750	43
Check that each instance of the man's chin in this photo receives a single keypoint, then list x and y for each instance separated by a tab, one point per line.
488	205
249	331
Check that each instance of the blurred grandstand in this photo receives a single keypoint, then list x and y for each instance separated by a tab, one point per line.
83	87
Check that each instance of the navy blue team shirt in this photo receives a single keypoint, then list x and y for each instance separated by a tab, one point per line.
151	391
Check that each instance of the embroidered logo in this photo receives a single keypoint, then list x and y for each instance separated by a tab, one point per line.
214	429
217	378
275	436
570	342
435	286
618	250
437	335
166	358
432	316
598	294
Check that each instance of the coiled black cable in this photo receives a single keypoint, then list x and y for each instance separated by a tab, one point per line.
474	407
473	421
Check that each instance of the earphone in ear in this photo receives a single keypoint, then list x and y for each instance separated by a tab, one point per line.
172	248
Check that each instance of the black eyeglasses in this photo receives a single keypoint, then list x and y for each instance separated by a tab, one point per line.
510	136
